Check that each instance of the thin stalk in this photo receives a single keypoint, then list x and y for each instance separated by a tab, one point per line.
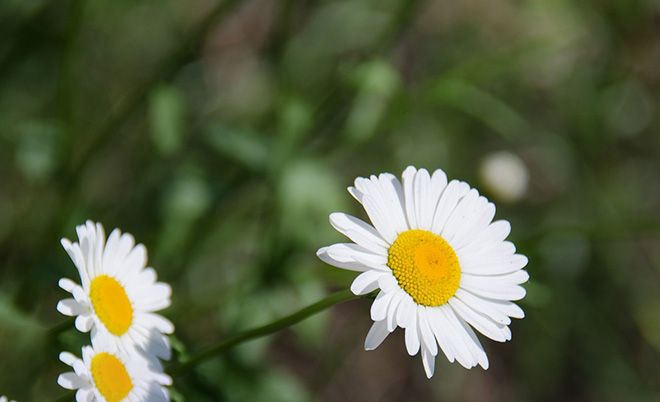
268	329
61	327
251	334
68	397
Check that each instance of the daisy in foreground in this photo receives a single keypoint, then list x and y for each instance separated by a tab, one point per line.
439	261
119	296
105	374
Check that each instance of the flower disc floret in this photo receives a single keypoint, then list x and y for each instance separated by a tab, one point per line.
111	304
111	377
425	266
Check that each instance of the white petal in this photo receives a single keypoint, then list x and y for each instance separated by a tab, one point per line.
86	395
124	247
480	322
360	232
76	255
439	328
387	196
67	284
494	267
352	257
409	199
428	360
412	336
148	297
152	343
151	305
460	216
68	358
379	306
349	264
377	334
496	232
406	309
158	322
379	217
493	251
474	345
448	200
366	282
79	295
136	261
482	216
508	308
388	283
84	323
437	187
454	331
392	194
70	307
480	286
70	381
425	333
422	202
392	309
484	306
486	281
110	262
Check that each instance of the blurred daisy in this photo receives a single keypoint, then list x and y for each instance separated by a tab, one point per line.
4	399
505	175
119	296
105	374
439	261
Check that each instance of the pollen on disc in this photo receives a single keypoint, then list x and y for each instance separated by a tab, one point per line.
111	304
425	266
110	377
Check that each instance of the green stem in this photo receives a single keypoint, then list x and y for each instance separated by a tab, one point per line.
61	327
254	333
68	397
275	326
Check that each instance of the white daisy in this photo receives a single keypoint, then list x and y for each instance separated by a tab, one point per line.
106	374
4	399
119	296
439	261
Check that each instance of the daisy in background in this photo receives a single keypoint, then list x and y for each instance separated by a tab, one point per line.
107	374
119	295
442	266
4	399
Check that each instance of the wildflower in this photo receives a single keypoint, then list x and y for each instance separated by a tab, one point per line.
505	175
119	297
442	266
107	374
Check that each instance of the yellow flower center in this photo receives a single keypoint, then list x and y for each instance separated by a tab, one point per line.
111	378
425	266
111	304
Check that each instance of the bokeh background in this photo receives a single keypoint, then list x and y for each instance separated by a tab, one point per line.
221	134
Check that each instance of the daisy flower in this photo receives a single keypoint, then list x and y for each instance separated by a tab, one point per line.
4	399
119	296
442	266
106	374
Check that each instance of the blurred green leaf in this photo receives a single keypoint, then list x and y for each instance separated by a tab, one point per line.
647	316
167	116
308	192
246	147
37	149
377	80
482	106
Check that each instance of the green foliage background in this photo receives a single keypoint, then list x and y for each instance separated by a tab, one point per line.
222	134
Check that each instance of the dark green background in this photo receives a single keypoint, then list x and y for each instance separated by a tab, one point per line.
222	135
